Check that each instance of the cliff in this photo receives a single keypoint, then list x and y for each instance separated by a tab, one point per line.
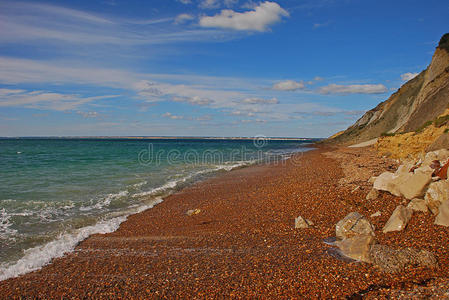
418	101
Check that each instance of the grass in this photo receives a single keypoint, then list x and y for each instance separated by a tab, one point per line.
388	134
441	121
420	129
446	130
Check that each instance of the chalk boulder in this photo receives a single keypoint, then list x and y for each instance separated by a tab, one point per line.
387	182
418	205
443	214
414	184
437	193
398	220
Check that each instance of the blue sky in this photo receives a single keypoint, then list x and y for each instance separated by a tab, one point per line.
298	68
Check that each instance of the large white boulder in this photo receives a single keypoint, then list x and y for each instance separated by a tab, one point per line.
413	185
398	220
387	182
418	205
437	193
443	214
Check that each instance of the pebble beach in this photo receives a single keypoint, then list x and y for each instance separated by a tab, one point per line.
240	240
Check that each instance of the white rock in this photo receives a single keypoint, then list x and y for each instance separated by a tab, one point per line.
404	168
398	220
373	194
418	205
427	170
192	212
386	182
376	214
443	214
437	193
301	223
413	185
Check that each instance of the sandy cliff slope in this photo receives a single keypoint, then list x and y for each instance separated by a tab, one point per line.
418	101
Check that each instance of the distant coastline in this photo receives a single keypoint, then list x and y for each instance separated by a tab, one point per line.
166	138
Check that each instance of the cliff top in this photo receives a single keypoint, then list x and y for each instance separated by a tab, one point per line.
444	42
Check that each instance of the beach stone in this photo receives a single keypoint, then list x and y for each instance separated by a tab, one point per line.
443	214
413	185
353	224
376	214
404	168
373	194
392	260
398	220
192	212
387	182
437	193
301	223
418	205
440	155
357	247
427	170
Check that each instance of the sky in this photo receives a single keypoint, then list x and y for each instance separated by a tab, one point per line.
284	68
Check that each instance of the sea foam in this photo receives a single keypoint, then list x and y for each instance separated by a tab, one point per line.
37	257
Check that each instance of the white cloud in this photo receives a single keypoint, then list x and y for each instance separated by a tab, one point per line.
182	18
408	76
353	89
89	114
318	78
288	85
173	117
47	100
260	101
4	92
258	19
204	118
195	100
185	1
43	25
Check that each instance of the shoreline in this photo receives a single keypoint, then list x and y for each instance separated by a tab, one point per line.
39	256
242	243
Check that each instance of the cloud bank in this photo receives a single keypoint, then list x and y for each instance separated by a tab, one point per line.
288	85
353	89
258	19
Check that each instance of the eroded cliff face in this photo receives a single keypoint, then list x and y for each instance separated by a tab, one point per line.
421	99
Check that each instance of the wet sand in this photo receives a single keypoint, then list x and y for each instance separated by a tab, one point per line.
243	242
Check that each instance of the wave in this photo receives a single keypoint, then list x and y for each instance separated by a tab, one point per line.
5	223
175	183
37	257
105	202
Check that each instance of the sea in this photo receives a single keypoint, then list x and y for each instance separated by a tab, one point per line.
55	192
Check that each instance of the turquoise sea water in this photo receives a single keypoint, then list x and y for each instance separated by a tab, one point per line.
56	192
